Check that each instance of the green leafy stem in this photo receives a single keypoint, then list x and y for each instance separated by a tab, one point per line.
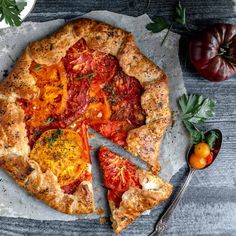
196	110
160	23
10	11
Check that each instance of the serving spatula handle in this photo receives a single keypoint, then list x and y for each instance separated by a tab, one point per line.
161	225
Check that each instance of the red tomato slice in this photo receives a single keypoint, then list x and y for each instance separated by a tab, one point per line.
104	66
124	94
119	173
71	188
116	131
80	60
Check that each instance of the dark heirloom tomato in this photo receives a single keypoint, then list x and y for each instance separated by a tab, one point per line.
213	52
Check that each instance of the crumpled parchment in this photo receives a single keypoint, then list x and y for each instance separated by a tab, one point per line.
16	202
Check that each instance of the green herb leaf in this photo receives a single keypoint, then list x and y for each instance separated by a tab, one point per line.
38	67
10	11
86	76
54	137
188	102
21	5
196	109
203	112
49	120
211	138
158	25
180	14
196	135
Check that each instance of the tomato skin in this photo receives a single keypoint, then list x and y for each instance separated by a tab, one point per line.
209	159
197	162
213	52
202	150
201	156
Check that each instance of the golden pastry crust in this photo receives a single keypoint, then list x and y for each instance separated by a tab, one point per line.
27	174
135	201
145	141
21	84
13	139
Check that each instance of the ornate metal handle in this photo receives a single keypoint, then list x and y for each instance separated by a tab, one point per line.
162	223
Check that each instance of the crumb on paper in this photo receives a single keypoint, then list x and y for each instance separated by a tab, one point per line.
91	135
173	123
103	220
100	211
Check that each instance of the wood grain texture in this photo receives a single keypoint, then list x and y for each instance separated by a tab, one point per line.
209	205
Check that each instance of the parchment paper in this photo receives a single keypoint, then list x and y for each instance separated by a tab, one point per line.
15	202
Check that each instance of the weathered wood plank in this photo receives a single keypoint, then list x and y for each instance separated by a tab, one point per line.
197	11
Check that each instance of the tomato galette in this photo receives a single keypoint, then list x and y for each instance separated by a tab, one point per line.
88	74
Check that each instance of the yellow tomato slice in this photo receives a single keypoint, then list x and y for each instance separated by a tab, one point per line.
62	152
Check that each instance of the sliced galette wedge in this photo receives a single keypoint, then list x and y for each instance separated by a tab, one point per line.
131	190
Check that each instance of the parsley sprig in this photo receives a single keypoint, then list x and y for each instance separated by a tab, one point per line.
10	11
196	110
160	22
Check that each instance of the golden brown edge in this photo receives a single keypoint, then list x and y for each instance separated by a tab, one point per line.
99	36
135	201
45	186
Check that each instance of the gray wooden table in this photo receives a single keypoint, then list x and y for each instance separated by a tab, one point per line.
209	205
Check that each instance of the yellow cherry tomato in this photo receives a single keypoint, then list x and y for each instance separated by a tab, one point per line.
197	162
202	150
